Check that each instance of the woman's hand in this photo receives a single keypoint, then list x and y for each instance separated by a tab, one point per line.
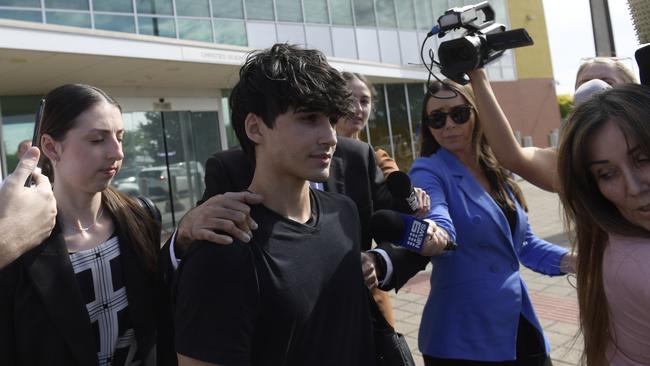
437	240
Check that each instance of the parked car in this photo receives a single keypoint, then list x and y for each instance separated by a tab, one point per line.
153	182
126	181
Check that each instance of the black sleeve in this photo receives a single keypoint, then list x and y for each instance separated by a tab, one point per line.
216	304
381	197
405	265
8	278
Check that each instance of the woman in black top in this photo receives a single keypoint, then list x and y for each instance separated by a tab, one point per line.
87	294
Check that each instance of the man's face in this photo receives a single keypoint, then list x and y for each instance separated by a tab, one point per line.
300	145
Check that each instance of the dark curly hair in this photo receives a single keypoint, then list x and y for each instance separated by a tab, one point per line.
283	76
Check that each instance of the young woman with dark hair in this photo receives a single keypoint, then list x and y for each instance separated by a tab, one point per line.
604	174
478	311
87	294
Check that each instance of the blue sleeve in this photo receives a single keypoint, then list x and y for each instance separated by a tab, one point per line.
540	255
425	175
216	304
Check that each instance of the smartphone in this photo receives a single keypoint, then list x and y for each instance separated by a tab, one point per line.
37	127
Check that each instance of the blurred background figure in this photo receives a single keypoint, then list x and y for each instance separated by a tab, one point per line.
608	69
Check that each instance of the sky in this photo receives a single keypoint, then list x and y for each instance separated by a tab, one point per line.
571	39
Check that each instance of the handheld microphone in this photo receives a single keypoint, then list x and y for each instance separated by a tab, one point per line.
404	197
402	230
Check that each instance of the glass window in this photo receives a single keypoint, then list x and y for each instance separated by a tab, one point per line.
260	35
408	41
367	44
424	14
288	10
341	11
416	96
319	37
389	46
230	32
195	29
316	11
163	27
291	33
386	14
399	123
71	19
154	7
259	9
115	23
406	15
364	13
227	9
344	45
118	6
189	139
26	15
378	123
25	3
192	8
18	113
67	4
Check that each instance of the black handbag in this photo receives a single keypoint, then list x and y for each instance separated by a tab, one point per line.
390	346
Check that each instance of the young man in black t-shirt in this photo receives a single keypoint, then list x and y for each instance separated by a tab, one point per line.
293	295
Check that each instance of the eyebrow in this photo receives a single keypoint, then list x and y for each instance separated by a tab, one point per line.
631	151
103	130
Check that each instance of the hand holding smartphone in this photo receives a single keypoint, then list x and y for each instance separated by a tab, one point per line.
37	127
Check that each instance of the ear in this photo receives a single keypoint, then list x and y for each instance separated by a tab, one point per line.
50	148
255	128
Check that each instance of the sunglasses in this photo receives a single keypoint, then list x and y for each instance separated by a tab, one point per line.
459	114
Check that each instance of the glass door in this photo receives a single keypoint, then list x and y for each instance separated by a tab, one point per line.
165	153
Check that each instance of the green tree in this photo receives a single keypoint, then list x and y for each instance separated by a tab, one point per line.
565	102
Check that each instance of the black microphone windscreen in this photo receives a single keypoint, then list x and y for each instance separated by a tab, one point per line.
642	56
399	184
386	226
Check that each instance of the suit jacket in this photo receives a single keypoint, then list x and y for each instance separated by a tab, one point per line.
353	172
43	318
477	292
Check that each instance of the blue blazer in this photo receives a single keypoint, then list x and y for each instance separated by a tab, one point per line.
477	292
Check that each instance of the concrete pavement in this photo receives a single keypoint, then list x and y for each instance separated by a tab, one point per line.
554	298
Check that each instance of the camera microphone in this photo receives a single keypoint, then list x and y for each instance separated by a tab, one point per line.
404	197
402	230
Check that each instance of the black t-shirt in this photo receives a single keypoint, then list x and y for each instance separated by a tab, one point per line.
294	295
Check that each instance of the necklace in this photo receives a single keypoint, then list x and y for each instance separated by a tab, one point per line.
81	228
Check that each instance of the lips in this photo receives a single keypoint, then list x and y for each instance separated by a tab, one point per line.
644	209
112	170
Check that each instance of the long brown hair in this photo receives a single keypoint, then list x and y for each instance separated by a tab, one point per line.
588	212
498	177
62	107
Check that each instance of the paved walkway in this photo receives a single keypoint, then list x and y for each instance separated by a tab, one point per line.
554	298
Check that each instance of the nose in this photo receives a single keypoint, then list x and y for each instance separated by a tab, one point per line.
328	134
635	182
115	149
357	105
